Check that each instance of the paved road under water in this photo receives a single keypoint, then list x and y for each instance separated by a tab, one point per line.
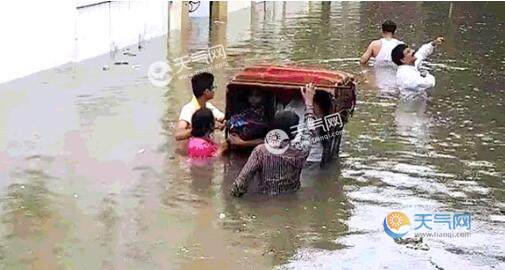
91	178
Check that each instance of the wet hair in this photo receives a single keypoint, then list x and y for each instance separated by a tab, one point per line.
389	26
202	123
284	120
200	82
323	99
397	54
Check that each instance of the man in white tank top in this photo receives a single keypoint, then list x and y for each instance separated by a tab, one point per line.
381	49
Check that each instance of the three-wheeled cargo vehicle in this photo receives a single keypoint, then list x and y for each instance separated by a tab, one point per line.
281	84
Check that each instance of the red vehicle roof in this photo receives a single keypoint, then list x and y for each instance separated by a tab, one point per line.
291	77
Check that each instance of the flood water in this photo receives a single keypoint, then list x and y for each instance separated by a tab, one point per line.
91	177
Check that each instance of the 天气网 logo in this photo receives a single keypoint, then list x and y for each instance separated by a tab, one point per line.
396	224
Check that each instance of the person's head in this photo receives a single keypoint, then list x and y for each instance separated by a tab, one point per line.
322	103
202	123
284	120
255	98
388	27
203	85
403	55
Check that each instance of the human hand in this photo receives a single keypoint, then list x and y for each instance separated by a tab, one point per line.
235	191
219	125
223	147
238	189
438	41
308	93
235	140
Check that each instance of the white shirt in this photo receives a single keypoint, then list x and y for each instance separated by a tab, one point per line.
385	77
409	79
387	46
191	107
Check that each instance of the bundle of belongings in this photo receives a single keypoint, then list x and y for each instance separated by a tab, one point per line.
249	124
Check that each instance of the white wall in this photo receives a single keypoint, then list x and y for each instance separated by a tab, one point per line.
35	35
118	24
237	5
38	35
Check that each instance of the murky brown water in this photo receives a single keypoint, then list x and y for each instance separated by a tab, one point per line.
90	177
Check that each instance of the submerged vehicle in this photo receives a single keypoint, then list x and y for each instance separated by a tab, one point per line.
280	85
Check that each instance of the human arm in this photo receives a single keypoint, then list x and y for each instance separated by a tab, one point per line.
223	147
234	139
241	183
220	124
183	130
218	115
367	54
426	50
307	131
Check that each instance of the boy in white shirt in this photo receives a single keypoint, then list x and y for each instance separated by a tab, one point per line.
410	79
203	91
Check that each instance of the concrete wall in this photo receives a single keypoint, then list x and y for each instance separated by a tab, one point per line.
42	34
104	27
38	35
238	5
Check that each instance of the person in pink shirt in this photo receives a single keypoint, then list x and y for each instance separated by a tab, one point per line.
201	143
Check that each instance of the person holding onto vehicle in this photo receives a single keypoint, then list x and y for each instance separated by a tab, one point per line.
278	167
